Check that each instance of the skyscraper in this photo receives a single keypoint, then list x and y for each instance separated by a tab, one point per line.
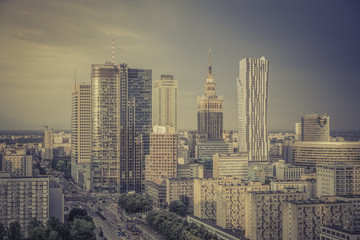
48	153
210	109
116	148
81	134
164	97
315	128
252	90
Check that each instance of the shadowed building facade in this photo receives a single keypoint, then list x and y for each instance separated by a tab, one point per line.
210	109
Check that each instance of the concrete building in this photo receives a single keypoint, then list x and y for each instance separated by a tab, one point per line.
56	200
308	154
260	171
18	165
22	199
177	187
230	203
210	109
162	160
117	141
194	138
309	187
298	131
165	99
192	170
81	134
315	128
338	179
252	91
355	200
156	190
205	195
285	171
48	142
303	219
206	149
336	233
230	165
263	218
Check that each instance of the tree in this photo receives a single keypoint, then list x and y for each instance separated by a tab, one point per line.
14	231
36	230
56	230
77	213
185	200
178	207
2	231
81	229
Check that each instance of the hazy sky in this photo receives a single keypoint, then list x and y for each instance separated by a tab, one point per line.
313	48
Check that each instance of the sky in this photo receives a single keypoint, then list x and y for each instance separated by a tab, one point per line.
313	48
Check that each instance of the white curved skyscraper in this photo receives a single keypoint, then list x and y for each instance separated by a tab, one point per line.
252	90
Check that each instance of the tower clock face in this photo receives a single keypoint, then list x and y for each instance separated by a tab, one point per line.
321	121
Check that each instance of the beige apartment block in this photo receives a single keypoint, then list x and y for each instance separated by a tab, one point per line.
18	165
263	213
335	233
22	199
230	203
176	187
303	219
338	179
355	200
230	165
163	157
205	195
309	187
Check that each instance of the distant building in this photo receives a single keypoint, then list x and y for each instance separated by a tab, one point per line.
338	179
81	135
48	144
192	170
260	171
206	149
163	157
303	219
284	171
264	213
230	165
309	187
252	91
315	128
308	154
298	131
210	109
165	98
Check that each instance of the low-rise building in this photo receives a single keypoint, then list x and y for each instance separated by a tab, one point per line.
309	187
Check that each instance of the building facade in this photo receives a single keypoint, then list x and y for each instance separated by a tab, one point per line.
81	134
165	98
18	165
252	91
315	128
285	171
48	144
177	187
210	109
230	165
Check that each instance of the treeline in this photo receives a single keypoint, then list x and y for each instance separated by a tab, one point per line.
173	227
62	164
135	203
79	226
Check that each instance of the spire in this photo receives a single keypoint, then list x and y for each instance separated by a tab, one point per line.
75	77
210	61
113	53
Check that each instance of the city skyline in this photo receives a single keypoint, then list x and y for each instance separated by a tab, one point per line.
313	58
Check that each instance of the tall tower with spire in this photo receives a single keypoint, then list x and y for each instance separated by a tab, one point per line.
210	108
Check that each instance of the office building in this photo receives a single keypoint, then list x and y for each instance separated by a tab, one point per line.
210	109
205	195
177	187
263	218
308	154
165	98
230	165
116	147
285	171
81	134
192	170
252	91
315	128
338	179
303	219
48	142
230	203
163	157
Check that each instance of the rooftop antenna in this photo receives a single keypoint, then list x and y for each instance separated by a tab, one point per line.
47	127
113	53
75	77
209	61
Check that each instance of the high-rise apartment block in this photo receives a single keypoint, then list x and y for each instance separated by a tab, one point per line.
162	159
210	109
48	141
230	165
315	128
18	165
81	134
338	179
252	91
116	146
177	187
303	219
230	203
165	98
205	195
264	210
